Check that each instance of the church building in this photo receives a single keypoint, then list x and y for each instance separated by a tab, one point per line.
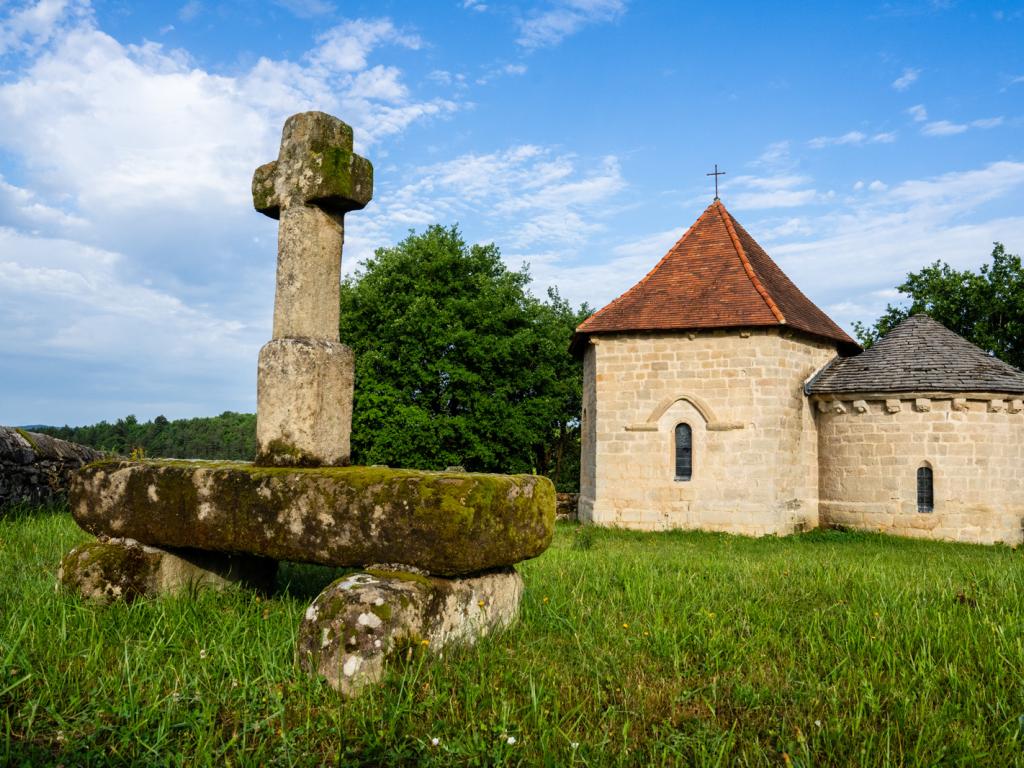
716	396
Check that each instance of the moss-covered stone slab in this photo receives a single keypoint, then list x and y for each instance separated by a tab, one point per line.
123	569
446	523
361	621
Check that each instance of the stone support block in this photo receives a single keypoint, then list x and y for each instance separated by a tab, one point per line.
860	406
1016	406
360	621
447	523
304	393
996	406
922	404
123	569
960	404
892	406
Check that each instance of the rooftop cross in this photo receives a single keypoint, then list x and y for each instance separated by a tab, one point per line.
716	174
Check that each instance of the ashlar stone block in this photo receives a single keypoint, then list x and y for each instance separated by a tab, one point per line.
304	393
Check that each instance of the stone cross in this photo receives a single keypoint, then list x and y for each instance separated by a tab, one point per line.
314	182
305	380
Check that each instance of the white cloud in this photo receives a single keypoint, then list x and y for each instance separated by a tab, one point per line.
851	138
878	186
862	247
947	128
782	181
474	5
783	198
134	166
943	128
918	113
776	157
190	10
380	82
562	18
907	79
307	9
522	197
499	70
32	25
345	47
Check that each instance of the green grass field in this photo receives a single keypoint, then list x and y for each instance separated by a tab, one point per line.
633	649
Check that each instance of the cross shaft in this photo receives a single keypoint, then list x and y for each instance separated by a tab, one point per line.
316	179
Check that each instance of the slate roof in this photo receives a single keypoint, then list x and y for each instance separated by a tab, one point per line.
922	355
715	276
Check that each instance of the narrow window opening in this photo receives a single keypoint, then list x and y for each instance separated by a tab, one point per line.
925	490
684	452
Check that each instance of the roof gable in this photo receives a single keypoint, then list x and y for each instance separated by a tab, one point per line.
715	276
919	355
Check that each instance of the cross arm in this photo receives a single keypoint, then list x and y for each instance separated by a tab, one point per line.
316	166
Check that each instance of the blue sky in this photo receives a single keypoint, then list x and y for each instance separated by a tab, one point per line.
860	140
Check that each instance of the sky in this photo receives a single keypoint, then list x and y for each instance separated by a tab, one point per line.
860	141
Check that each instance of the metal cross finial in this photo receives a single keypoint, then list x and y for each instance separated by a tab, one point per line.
716	174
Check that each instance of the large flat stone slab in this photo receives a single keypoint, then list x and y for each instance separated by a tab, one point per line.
360	621
445	523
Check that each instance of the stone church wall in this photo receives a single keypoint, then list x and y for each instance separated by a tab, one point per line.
754	438
871	447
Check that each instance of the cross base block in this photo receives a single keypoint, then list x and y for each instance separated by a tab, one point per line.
304	395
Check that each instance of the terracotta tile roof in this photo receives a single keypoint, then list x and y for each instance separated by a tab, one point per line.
715	276
919	355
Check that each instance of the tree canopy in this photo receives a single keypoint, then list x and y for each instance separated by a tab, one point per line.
985	307
457	364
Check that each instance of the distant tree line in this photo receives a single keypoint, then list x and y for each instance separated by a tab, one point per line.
228	436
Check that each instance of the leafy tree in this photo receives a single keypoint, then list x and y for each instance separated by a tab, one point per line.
457	364
985	307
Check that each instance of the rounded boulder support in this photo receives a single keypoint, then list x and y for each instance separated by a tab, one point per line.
359	621
124	569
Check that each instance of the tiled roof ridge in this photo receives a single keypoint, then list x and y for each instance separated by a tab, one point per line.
655	268
758	286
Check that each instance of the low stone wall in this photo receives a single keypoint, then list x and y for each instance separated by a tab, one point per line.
37	468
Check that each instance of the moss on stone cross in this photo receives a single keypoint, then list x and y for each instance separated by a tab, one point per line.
316	166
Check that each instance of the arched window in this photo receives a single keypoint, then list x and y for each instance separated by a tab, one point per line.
684	452
925	490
